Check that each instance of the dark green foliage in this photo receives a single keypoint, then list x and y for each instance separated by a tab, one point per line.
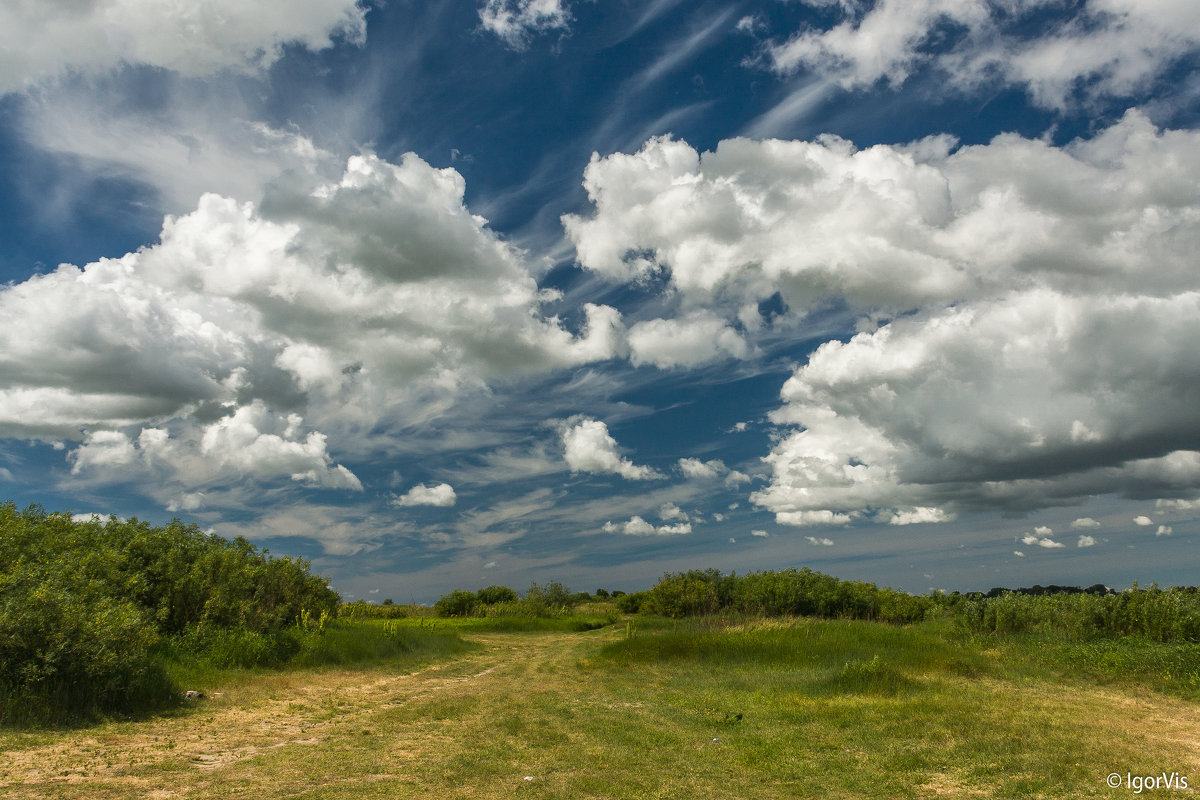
491	595
632	603
67	649
788	592
549	600
86	607
458	603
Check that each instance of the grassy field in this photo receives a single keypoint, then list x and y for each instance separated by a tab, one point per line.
651	708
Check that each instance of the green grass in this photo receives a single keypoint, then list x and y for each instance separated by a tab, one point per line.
853	709
361	643
1123	662
657	708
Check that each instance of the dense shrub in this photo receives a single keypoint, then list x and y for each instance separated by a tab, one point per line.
490	595
549	600
85	607
458	603
633	603
66	649
788	592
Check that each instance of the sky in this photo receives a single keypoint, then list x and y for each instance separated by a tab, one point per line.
474	292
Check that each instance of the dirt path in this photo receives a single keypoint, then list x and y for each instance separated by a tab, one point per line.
283	712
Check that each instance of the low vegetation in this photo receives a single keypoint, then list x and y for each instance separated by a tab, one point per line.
1162	615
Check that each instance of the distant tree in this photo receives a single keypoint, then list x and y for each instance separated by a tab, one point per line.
549	596
459	603
490	595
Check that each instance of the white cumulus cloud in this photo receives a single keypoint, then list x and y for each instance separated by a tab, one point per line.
517	21
949	410
703	470
1086	541
1049	295
441	495
249	442
1177	504
340	303
896	226
588	447
669	511
636	526
685	342
919	515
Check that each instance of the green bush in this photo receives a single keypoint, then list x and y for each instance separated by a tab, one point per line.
787	592
458	603
66	652
541	601
88	608
490	595
548	599
632	603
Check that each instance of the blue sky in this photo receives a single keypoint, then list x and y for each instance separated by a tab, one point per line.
451	294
